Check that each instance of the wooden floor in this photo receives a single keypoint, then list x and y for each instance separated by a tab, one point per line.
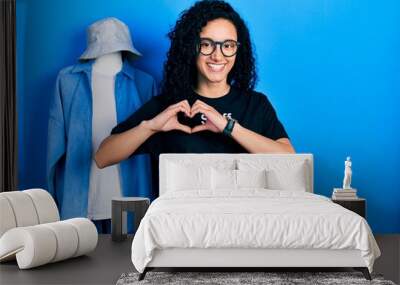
389	262
110	260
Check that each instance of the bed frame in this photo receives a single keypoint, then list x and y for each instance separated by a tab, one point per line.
242	259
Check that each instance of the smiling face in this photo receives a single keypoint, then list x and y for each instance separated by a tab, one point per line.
214	68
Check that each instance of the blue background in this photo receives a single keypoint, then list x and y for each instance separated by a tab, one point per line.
330	68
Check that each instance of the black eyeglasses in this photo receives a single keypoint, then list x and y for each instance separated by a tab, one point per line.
207	46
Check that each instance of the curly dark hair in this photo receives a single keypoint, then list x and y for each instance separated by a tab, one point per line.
180	72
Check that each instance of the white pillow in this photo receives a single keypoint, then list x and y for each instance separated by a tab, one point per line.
223	179
181	177
282	174
236	179
251	178
293	179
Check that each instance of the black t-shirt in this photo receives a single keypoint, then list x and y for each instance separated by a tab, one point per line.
251	109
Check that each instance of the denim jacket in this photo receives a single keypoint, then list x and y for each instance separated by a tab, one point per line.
69	153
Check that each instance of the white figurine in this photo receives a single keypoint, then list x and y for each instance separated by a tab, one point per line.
347	174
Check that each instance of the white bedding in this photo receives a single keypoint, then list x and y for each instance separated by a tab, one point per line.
250	218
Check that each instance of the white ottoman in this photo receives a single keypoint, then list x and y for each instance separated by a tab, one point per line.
31	232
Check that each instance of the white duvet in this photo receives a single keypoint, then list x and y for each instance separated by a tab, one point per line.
251	218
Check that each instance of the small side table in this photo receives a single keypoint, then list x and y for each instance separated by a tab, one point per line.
358	205
120	206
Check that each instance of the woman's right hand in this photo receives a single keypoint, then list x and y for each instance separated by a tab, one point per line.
167	120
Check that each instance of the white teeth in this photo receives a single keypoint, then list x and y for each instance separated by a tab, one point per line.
216	67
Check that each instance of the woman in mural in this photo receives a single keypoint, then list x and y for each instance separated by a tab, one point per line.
207	102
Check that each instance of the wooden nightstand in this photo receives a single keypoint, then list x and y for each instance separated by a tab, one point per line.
357	205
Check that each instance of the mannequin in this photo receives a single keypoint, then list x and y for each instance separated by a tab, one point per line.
109	64
104	183
90	96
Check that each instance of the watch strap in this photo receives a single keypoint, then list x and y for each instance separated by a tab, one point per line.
229	127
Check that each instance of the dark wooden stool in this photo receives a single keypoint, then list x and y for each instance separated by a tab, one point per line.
120	206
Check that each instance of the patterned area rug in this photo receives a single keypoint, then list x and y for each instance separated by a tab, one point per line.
244	278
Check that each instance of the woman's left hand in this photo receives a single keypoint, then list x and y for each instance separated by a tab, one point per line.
215	121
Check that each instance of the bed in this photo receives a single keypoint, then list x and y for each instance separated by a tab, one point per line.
245	211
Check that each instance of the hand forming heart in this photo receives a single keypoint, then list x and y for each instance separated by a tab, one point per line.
168	119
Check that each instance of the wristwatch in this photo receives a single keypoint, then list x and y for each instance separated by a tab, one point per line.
229	127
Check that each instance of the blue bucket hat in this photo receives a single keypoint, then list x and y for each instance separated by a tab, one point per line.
106	36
